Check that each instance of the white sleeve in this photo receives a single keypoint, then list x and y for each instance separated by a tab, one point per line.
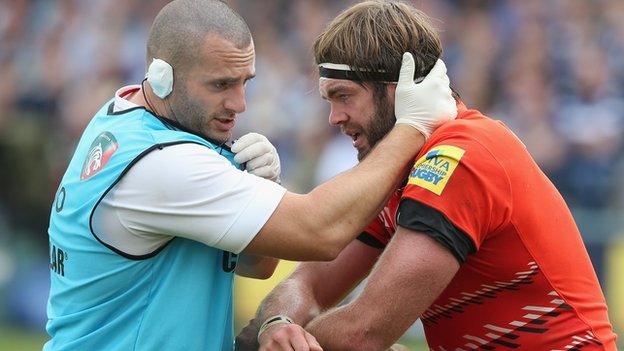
185	190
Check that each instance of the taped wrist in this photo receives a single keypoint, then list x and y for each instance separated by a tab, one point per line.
271	321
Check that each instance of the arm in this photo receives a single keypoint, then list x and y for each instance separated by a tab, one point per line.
306	292
314	226
412	272
258	267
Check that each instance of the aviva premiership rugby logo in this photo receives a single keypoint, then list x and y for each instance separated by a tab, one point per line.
100	152
433	170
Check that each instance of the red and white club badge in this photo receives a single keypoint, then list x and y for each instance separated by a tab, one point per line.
100	152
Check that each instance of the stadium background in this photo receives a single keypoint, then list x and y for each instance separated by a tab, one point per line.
552	70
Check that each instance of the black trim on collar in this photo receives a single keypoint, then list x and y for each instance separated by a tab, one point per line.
111	110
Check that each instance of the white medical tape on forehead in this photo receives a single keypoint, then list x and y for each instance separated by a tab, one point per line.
337	66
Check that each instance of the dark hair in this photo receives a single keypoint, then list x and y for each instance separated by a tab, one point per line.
373	35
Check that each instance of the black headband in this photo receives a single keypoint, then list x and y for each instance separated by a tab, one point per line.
342	71
349	74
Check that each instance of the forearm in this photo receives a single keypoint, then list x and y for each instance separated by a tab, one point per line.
412	272
253	266
339	329
289	298
319	225
357	326
362	191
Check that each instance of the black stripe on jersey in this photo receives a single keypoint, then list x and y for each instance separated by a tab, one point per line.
422	218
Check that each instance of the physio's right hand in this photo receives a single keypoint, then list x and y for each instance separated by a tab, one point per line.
427	104
287	337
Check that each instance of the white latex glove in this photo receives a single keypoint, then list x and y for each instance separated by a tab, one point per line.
259	154
427	104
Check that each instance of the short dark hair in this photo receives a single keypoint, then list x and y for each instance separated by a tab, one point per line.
181	27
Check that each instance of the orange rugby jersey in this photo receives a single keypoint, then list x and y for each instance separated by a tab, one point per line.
528	283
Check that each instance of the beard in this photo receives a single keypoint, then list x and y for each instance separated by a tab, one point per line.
192	115
379	125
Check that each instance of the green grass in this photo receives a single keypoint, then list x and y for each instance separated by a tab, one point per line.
20	340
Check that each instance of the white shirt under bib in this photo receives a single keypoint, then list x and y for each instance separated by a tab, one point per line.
184	190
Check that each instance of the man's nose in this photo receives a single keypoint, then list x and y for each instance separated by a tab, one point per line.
337	116
236	100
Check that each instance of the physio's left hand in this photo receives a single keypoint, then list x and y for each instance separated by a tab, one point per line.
259	154
426	105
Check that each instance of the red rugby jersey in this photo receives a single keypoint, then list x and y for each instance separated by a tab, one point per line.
530	284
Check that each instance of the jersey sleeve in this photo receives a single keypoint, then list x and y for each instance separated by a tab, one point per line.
421	218
375	234
188	191
461	179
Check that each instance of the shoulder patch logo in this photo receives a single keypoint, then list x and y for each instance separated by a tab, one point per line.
433	170
101	150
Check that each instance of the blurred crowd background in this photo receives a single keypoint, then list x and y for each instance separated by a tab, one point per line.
552	70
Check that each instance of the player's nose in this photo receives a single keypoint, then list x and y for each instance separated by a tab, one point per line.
337	116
